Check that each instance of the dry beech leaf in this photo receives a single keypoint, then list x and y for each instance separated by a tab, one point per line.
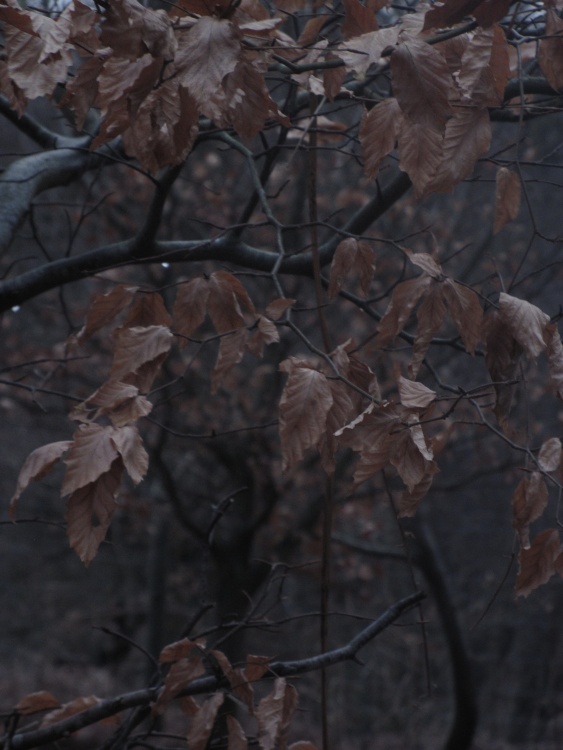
203	722
37	465
526	323
549	456
537	564
236	736
358	19
420	153
178	650
180	675
277	308
90	510
35	702
273	714
421	83
528	504
91	455
507	199
104	309
304	405
554	351
502	357
363	51
138	346
450	13
351	256
551	49
378	133
415	395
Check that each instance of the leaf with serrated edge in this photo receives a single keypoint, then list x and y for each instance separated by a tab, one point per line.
415	395
179	676
90	510
536	565
420	153
36	466
91	454
203	722
273	714
421	84
138	346
129	445
526	323
304	405
104	309
378	133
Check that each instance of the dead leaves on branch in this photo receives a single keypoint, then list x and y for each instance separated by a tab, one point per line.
437	297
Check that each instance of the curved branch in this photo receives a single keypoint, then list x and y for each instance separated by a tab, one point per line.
66	270
35	738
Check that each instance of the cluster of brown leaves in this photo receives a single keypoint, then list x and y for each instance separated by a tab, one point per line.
186	660
151	75
107	442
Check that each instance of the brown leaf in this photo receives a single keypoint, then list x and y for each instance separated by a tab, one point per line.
415	395
502	357
277	308
466	312
37	465
409	500
507	198
338	415
421	83
227	298
351	255
431	314
90	510
428	264
129	445
420	154
485	68
265	333
378	134
35	702
180	675
274	713
549	456
190	307
138	346
358	19
450	12
231	351
404	299
121	402
528	504
365	50
91	455
537	564
105	308
467	137
526	323
70	709
304	405
237	738
177	650
551	49
256	667
203	722
207	52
